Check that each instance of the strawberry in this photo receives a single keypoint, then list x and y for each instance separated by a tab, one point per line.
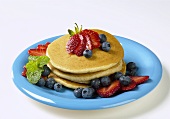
46	44
24	72
88	41
131	86
81	40
73	43
41	47
110	90
37	52
94	37
139	79
81	47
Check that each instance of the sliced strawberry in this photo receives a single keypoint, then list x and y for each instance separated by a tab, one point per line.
131	86
24	72
46	44
81	47
139	79
88	41
41	47
37	52
110	90
94	37
73	43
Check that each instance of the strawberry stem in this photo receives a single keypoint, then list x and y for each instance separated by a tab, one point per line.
77	30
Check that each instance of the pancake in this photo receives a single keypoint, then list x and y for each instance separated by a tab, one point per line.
74	85
85	77
67	83
99	61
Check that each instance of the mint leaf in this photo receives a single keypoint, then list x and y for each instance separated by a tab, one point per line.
33	77
35	67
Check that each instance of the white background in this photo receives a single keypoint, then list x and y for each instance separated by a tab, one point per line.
25	22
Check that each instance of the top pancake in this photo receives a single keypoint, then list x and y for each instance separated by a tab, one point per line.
71	63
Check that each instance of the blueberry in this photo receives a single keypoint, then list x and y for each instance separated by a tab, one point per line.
50	83
117	75
87	53
58	87
88	93
105	81
131	65
106	46
95	83
78	92
46	71
103	38
131	72
125	80
41	82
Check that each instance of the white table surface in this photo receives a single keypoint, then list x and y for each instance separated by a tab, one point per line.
25	22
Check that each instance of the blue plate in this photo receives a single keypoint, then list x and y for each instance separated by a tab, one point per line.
146	60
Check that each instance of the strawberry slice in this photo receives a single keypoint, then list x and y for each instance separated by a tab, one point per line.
81	47
37	52
88	41
94	37
46	44
41	47
131	86
110	90
139	79
24	72
73	43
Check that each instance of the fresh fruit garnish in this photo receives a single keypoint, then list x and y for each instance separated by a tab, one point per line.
106	46
125	80
139	79
81	40
37	52
95	83
73	43
88	93
46	71
58	87
40	50
87	53
78	92
131	86
81	46
131	69
105	81
41	82
50	83
110	90
24	72
103	38
94	37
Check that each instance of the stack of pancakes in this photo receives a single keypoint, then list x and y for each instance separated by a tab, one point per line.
73	71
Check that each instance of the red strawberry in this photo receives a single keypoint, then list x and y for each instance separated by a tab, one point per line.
46	44
131	86
24	72
139	79
81	47
73	43
94	37
88	41
41	47
110	90
37	52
